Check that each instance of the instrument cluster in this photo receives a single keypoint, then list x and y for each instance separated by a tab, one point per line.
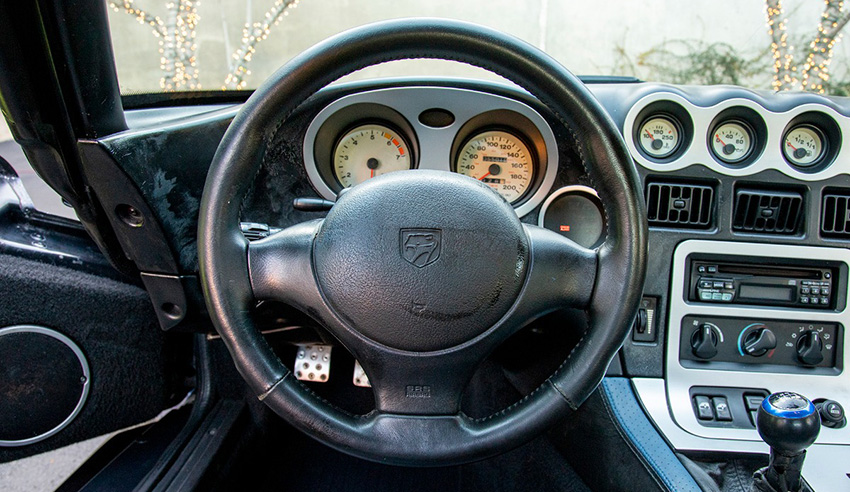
502	142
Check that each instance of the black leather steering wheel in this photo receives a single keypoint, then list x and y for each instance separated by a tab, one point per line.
419	293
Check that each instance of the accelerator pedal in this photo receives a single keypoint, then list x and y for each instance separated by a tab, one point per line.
313	363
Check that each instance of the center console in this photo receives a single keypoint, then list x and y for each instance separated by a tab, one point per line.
746	320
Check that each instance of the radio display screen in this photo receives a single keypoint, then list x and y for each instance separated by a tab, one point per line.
767	292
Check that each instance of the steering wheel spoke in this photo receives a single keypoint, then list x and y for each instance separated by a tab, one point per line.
280	266
408	383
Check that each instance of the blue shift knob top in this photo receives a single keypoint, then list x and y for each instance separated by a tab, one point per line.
788	422
788	405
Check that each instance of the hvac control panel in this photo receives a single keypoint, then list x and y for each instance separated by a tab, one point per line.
760	344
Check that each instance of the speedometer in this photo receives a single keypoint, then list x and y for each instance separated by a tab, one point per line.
499	159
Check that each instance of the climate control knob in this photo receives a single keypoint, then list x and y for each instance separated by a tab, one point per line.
809	348
758	342
704	342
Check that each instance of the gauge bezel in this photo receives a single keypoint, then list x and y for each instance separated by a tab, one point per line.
532	154
338	124
753	122
677	116
826	128
374	122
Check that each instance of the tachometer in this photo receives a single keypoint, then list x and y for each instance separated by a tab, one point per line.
367	151
501	160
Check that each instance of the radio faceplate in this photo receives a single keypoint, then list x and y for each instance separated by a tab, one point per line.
806	287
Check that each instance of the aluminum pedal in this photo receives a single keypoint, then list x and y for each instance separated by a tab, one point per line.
360	378
313	363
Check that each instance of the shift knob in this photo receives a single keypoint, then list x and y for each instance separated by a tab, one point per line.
788	422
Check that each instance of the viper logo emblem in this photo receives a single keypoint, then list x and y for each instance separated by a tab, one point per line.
420	247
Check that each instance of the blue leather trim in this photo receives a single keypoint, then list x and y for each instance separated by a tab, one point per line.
652	450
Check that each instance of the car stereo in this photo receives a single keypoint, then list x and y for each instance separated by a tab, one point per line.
809	287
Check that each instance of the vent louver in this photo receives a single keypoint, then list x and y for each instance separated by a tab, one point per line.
835	214
679	205
767	211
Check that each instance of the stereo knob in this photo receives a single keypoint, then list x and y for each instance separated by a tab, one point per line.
758	342
704	342
809	348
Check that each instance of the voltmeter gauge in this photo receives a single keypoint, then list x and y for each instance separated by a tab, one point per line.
659	137
803	146
499	159
731	142
367	151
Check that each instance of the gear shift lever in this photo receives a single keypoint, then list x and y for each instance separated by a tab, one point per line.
788	423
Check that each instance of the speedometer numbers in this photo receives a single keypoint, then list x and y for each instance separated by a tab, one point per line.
499	159
367	151
659	137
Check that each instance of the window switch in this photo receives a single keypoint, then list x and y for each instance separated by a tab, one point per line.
721	408
753	402
704	411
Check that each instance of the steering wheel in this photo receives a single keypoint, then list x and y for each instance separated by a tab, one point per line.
421	274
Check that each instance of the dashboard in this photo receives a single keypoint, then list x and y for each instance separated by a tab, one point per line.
748	203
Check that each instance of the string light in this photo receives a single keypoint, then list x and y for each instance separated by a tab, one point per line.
783	59
252	35
177	46
815	68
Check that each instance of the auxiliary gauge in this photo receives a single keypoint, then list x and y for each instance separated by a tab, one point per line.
803	146
731	142
659	137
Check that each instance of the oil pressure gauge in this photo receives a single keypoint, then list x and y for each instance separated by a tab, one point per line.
731	142
803	146
659	137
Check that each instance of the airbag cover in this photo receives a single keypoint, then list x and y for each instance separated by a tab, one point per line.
421	260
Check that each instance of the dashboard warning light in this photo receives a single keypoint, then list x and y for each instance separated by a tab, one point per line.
565	228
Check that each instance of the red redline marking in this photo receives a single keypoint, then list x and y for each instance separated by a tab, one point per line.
401	150
395	142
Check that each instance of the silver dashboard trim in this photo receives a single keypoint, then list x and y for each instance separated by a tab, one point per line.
697	151
680	378
435	144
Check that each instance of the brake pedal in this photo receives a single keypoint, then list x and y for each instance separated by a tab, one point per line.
313	363
360	378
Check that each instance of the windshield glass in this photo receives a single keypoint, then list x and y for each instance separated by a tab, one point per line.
183	45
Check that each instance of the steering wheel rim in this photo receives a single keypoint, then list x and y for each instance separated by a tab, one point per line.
234	275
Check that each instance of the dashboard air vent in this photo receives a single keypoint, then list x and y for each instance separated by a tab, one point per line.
835	214
679	205
767	211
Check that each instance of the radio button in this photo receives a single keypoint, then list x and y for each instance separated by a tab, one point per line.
824	291
705	296
705	284
727	297
804	300
815	291
718	285
805	290
824	300
716	296
728	285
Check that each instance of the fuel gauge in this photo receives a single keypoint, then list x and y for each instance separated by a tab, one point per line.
731	142
803	146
